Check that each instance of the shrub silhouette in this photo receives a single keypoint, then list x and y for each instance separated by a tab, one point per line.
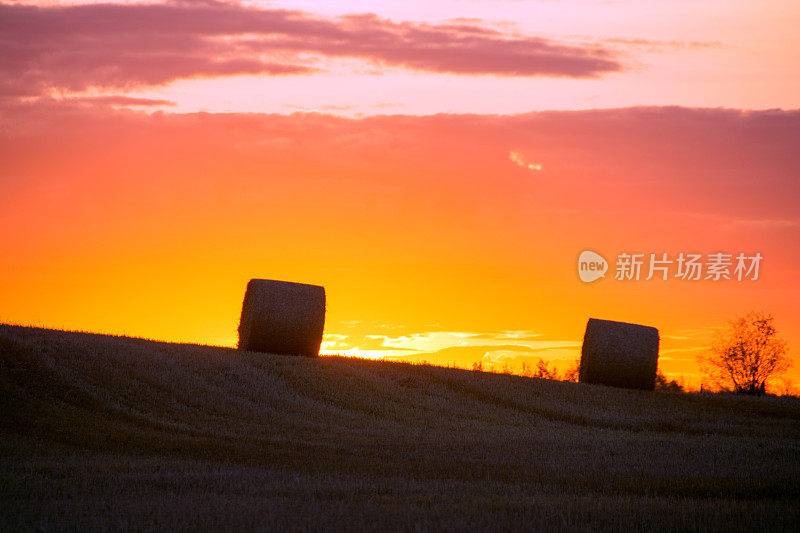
572	372
667	385
544	371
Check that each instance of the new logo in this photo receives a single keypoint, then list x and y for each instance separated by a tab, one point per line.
591	266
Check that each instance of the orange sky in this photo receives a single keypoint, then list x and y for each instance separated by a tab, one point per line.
450	238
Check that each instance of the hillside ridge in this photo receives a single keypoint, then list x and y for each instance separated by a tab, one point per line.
69	396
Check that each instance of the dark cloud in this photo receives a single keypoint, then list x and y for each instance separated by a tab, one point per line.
122	46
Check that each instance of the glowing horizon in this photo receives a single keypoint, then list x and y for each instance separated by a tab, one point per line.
437	166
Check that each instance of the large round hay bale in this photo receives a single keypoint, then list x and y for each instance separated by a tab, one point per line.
282	317
619	354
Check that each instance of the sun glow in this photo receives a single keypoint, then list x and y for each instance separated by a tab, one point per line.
123	213
355	352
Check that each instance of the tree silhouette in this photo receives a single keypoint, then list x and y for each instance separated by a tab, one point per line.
746	354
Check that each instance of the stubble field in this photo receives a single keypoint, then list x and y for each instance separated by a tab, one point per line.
100	431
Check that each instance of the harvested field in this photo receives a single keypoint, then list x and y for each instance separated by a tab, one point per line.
100	431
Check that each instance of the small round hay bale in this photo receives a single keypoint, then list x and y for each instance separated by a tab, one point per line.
619	354
282	317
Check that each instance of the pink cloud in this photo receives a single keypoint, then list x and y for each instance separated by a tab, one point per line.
122	46
116	100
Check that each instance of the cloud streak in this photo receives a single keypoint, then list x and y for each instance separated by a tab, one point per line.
79	47
520	160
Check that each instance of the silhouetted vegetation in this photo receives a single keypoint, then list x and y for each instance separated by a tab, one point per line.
663	383
572	373
543	370
746	355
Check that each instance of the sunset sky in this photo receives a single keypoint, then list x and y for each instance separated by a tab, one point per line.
438	166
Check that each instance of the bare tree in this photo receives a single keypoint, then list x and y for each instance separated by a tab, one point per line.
746	354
